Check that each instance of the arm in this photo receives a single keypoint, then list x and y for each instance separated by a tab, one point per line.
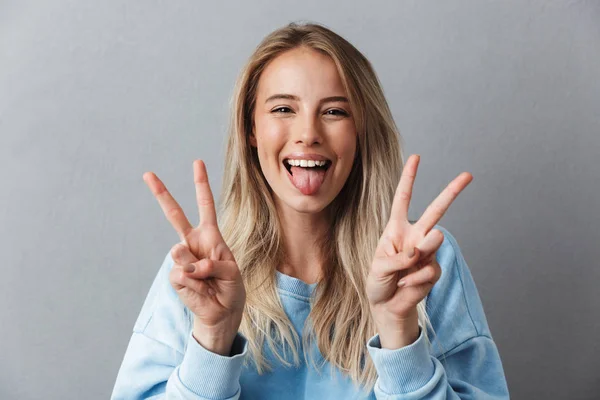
163	360
462	361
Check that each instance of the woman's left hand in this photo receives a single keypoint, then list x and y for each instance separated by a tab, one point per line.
393	305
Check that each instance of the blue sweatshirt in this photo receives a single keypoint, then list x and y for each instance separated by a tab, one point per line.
163	360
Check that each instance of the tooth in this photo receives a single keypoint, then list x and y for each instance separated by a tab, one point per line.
305	163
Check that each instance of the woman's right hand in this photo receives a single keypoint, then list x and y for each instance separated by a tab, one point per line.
205	274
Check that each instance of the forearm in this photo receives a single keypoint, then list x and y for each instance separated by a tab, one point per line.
411	372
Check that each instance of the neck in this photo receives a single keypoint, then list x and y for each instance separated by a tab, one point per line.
303	235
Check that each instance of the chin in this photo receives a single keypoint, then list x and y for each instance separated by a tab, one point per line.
306	204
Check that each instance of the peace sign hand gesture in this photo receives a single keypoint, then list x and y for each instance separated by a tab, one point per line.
398	279
205	274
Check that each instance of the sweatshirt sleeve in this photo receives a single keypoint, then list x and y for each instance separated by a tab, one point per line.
164	361
461	361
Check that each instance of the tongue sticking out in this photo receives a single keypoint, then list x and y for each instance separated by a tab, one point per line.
308	180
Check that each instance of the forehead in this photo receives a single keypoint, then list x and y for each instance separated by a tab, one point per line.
303	72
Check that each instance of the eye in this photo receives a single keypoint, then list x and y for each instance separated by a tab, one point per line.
281	110
336	112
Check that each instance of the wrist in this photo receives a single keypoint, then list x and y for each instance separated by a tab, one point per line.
217	345
397	333
394	339
218	341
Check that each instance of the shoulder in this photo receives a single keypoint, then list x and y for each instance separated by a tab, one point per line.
452	262
449	250
453	304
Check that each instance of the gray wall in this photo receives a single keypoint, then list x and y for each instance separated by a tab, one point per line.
93	94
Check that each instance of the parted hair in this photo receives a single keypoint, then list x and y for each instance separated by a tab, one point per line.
340	320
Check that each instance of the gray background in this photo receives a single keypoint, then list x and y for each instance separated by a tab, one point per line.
93	94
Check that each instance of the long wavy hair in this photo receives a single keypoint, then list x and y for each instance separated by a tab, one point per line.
340	320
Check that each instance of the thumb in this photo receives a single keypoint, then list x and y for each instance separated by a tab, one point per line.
207	268
182	254
431	243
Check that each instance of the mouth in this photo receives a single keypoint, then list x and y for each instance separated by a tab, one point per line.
307	175
306	164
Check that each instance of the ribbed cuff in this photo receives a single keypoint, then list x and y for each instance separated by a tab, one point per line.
212	375
402	370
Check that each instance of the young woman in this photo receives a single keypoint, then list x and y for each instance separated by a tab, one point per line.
311	283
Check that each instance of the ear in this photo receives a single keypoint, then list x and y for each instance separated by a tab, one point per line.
252	137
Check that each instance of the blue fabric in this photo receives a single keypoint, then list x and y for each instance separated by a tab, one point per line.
163	360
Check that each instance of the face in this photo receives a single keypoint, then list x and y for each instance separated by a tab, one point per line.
303	130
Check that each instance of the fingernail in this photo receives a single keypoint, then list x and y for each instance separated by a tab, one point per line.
401	283
411	253
189	268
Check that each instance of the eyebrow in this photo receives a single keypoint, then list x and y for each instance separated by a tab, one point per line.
296	98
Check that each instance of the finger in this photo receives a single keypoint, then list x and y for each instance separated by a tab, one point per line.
386	249
436	210
398	262
427	250
428	274
403	193
202	287
204	197
419	292
430	243
207	268
180	280
182	254
174	276
170	207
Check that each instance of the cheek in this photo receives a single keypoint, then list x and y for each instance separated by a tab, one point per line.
350	149
270	134
346	145
270	138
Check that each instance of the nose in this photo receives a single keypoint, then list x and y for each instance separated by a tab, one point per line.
309	132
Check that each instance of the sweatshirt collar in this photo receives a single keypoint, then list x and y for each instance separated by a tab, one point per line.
294	285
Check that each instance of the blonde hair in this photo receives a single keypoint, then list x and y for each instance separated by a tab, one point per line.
340	320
